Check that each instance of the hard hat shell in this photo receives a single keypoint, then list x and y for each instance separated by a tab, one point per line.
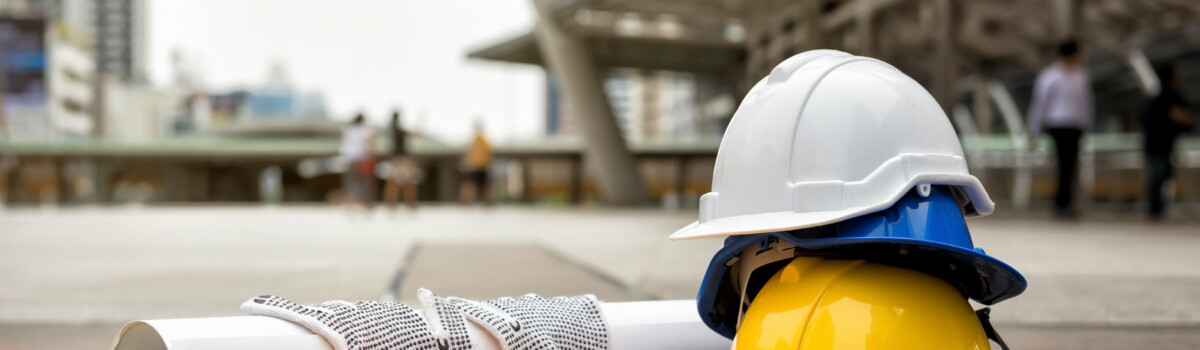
825	137
924	231
816	303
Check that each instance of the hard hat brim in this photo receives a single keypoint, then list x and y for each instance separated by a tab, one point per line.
970	187
994	280
760	223
980	277
923	231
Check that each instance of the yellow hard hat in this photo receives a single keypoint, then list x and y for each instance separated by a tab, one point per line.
817	303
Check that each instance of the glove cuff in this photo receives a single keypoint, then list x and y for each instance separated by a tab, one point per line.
608	331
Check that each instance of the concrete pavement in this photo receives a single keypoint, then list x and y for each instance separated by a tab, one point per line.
73	276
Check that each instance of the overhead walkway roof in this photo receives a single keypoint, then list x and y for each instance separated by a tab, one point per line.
295	147
288	147
720	35
630	52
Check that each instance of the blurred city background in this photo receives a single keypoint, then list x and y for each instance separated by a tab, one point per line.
166	159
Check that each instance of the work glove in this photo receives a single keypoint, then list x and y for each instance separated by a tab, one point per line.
532	322
365	325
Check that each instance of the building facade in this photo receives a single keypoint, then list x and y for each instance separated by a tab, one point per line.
650	105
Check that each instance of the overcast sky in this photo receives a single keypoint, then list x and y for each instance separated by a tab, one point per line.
368	55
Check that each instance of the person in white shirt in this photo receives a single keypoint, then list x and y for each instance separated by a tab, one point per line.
357	180
1062	105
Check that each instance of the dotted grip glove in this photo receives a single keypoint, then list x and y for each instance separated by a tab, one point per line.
532	322
367	325
526	323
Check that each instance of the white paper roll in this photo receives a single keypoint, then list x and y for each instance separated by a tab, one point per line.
642	325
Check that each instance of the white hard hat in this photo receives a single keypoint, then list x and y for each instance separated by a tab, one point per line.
829	136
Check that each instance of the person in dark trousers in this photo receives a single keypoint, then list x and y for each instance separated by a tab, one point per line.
1165	117
1062	105
403	175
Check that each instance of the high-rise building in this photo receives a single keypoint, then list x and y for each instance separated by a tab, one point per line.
117	29
648	105
119	37
96	49
23	86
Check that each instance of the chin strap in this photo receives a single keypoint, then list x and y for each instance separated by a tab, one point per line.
752	258
986	321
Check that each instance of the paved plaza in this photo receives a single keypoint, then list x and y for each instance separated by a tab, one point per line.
71	277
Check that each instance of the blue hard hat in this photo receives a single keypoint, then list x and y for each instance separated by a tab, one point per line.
923	233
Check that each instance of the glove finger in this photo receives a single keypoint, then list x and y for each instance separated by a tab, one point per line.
262	303
337	306
434	311
445	321
533	296
495	320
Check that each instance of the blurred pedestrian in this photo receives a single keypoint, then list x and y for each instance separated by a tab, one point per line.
357	180
403	173
476	163
1062	105
1165	117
